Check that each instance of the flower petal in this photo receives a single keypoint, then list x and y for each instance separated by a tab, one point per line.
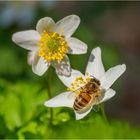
45	24
39	65
112	75
76	46
67	81
65	99
30	57
67	25
62	67
26	39
107	95
95	66
80	116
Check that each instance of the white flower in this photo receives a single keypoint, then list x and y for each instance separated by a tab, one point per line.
95	69
50	43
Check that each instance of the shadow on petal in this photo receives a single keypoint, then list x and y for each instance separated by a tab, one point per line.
62	67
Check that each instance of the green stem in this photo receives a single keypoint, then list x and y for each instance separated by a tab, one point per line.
103	113
50	96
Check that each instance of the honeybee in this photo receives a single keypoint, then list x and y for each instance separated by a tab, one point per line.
88	96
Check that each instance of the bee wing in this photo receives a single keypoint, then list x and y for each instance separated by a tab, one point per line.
71	95
96	108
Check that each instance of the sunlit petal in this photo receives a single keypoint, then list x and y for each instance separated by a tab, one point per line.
112	75
108	95
69	80
95	66
45	24
76	46
67	25
39	65
26	39
64	99
82	115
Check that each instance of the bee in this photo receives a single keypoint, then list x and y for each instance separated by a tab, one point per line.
88	95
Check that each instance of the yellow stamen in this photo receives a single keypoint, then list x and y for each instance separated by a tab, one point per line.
78	83
53	46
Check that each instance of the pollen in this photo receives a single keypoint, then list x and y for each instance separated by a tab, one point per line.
78	83
52	46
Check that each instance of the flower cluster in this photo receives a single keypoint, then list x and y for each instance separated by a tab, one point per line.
49	45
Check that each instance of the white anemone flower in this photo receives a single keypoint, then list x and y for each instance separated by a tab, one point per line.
94	70
50	43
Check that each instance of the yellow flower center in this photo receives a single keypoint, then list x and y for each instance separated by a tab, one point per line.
53	46
78	83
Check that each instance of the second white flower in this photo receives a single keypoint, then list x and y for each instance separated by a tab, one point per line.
90	89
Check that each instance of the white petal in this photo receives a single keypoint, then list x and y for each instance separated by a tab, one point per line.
76	46
112	75
69	80
45	24
39	65
30	57
62	100
67	25
62	67
107	95
27	39
80	116
95	66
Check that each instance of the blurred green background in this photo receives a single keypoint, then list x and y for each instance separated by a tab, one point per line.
114	26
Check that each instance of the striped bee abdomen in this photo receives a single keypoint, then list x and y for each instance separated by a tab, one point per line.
81	101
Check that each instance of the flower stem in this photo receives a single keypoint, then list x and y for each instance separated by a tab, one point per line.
103	113
50	96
